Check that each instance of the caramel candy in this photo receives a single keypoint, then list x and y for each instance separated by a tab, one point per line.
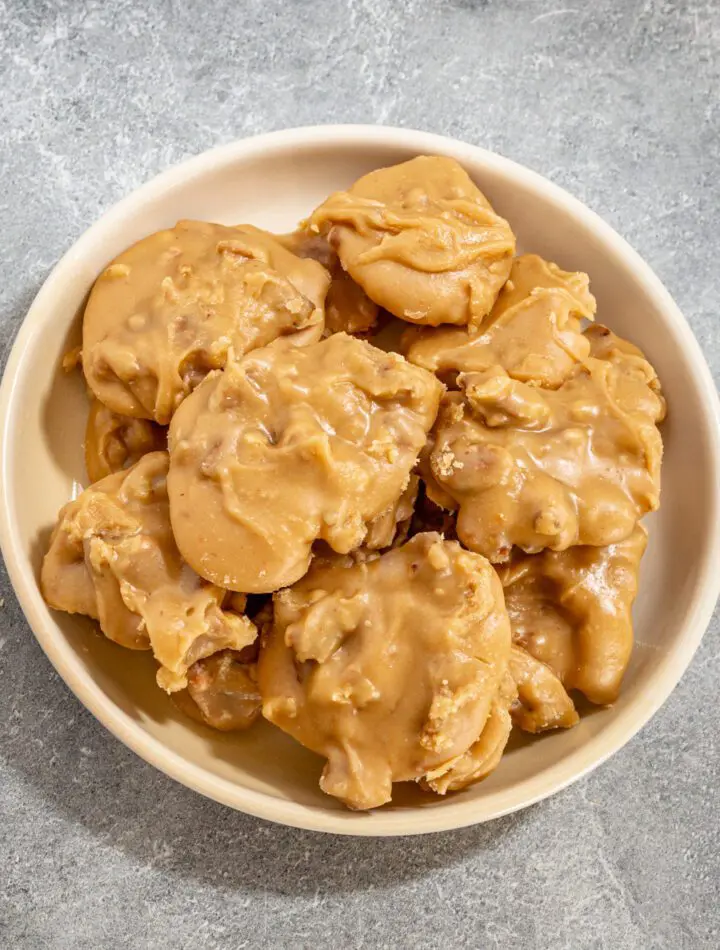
348	309
112	556
606	345
392	668
422	241
392	526
534	331
485	753
289	446
550	468
114	442
169	310
222	692
542	702
572	610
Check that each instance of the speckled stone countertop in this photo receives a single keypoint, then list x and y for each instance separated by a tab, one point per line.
617	100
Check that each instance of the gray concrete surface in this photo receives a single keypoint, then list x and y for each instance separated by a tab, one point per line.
617	100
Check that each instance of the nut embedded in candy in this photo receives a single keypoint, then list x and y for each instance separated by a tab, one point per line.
114	442
543	702
289	446
391	668
222	692
391	527
348	309
630	359
485	753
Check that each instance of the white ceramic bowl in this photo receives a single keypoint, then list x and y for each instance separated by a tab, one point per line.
273	181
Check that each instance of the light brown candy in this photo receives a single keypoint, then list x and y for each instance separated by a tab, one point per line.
112	556
572	611
348	308
392	526
485	753
542	702
169	309
114	442
533	332
289	446
606	345
422	241
222	692
550	468
391	668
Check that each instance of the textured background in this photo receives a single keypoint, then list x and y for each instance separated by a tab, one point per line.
617	100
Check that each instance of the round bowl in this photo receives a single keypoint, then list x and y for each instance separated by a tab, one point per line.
273	181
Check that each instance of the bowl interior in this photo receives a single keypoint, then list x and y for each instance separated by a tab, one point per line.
264	771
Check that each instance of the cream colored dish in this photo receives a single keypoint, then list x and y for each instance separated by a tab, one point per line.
272	181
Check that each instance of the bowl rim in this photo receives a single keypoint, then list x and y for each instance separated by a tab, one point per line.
457	813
